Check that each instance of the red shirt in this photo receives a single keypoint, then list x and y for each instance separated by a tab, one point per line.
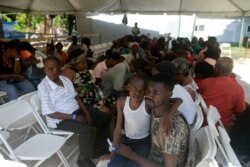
225	94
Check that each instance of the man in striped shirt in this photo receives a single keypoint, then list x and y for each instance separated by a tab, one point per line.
63	109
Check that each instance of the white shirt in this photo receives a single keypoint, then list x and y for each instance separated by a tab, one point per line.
55	98
137	122
188	107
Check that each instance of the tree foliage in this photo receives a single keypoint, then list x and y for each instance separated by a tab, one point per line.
59	21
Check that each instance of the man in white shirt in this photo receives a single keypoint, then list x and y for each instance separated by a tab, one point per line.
187	108
63	110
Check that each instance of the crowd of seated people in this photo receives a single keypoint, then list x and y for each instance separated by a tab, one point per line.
139	75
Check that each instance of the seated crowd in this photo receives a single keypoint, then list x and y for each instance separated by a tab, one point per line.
147	86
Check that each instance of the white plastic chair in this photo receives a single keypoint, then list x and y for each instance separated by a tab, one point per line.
37	148
202	147
205	143
208	163
226	49
213	117
6	136
202	103
29	119
225	140
35	103
199	118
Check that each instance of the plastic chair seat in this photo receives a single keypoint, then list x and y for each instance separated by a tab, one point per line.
39	147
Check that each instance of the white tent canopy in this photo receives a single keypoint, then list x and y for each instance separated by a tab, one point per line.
225	8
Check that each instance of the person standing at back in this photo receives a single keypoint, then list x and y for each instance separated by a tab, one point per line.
136	30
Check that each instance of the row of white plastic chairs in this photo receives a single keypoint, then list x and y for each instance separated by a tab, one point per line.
210	145
25	113
100	49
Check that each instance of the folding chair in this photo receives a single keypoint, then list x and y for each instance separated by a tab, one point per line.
199	118
5	135
37	148
29	119
205	144
202	103
35	103
213	117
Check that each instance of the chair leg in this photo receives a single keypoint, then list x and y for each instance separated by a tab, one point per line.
63	159
34	128
70	154
39	163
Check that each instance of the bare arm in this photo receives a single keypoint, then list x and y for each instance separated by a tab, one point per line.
58	115
84	109
7	76
17	67
167	122
118	127
170	160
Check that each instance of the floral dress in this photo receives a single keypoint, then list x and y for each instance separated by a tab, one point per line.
89	92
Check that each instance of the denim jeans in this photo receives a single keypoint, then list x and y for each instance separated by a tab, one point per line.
140	146
12	89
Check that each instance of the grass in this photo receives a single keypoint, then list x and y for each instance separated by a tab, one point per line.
238	52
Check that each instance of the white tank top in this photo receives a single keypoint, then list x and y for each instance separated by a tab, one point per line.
137	122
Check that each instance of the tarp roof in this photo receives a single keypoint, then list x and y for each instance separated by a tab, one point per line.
225	8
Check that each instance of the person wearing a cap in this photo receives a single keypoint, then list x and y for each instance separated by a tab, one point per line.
183	78
187	108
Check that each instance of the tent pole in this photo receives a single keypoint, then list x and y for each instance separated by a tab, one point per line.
242	31
193	26
179	28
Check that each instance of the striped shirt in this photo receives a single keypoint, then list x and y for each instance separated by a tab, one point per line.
55	98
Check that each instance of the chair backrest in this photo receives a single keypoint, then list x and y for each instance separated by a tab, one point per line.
35	103
213	117
225	140
36	111
198	120
27	96
13	111
206	144
202	103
